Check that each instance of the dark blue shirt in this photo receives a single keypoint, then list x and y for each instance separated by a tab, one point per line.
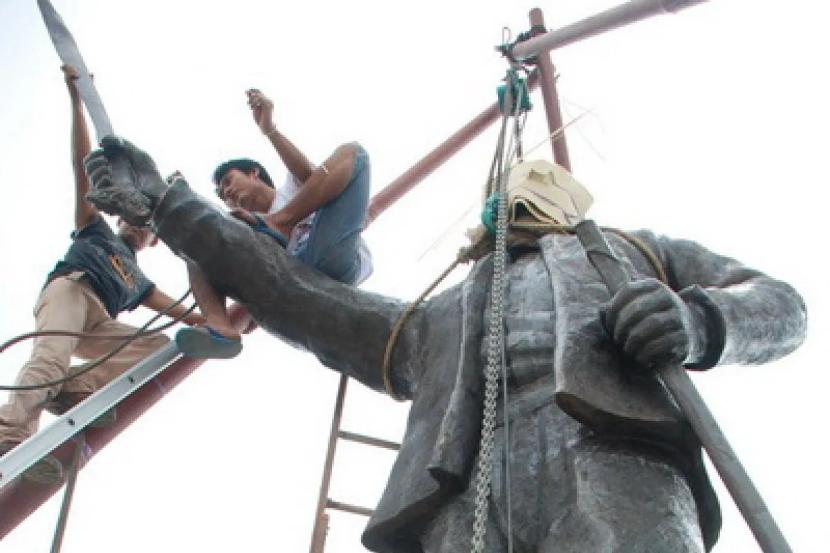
109	264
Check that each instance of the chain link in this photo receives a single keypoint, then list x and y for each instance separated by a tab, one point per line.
495	354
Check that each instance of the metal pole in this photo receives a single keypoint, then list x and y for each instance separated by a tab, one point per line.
21	498
434	159
318	535
69	492
734	476
630	12
547	82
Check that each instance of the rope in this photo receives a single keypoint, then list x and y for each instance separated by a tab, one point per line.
396	330
86	367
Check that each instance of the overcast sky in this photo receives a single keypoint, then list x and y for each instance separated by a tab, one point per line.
710	125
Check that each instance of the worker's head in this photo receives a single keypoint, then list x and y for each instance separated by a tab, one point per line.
137	237
243	183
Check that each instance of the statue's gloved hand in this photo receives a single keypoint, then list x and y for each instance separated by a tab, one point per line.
124	180
653	325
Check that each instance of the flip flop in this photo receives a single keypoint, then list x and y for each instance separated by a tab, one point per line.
262	226
206	343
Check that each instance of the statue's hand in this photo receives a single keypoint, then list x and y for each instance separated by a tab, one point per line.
651	324
124	180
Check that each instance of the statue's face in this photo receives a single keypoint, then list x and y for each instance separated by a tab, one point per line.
239	189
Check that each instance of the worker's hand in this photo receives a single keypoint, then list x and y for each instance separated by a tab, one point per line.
124	180
262	109
70	76
651	324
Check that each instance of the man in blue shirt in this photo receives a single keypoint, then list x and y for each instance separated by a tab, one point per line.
97	279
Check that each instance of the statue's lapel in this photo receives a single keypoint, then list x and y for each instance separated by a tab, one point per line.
592	384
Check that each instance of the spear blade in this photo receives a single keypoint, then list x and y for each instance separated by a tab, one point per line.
70	55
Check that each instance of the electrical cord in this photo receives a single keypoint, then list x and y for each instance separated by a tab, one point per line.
86	367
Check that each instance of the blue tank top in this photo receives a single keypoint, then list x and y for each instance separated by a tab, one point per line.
109	264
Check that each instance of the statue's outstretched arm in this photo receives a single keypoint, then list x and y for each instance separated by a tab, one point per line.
346	328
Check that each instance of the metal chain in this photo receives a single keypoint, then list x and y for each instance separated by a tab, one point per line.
495	349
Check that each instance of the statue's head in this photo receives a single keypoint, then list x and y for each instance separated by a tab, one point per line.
244	183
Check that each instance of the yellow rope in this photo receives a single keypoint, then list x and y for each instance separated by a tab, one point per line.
396	330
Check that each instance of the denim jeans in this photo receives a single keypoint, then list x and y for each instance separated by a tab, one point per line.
334	239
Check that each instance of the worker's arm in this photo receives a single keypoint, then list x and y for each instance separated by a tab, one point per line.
295	161
85	212
159	301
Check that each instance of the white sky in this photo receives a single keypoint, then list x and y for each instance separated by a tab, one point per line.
709	125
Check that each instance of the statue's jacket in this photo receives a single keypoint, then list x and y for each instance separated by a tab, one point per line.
437	361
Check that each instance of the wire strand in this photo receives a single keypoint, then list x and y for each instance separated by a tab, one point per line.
86	367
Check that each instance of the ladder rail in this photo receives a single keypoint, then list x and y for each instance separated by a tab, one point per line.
14	463
324	502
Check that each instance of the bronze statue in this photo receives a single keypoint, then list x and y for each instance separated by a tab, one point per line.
600	457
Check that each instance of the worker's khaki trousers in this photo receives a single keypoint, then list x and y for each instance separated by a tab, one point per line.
69	303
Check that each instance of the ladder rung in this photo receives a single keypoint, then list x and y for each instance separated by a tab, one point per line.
330	504
368	440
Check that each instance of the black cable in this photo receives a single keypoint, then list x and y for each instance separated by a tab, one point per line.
29	335
96	362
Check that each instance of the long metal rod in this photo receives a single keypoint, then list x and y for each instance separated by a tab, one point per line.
547	84
318	534
68	494
734	476
626	13
732	472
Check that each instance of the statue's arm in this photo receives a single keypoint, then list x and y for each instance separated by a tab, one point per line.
346	328
759	318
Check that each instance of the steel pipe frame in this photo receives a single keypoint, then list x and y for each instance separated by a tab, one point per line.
547	84
624	14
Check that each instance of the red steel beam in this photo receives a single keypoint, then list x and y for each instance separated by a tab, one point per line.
434	159
547	82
